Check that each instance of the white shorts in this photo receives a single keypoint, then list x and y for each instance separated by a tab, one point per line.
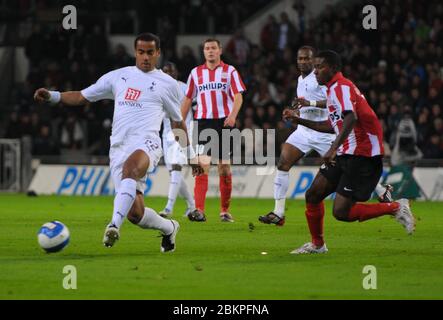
119	153
306	142
173	154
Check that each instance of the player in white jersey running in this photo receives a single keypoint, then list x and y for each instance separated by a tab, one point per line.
174	157
311	103
142	95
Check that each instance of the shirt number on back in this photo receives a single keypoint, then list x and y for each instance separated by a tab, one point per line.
151	145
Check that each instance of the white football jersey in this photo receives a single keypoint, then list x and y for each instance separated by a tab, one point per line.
309	89
141	100
168	135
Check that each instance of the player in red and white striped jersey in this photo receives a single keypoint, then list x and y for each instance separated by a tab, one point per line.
311	101
353	165
366	137
218	88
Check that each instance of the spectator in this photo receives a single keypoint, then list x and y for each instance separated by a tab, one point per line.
287	34
78	45
238	48
59	43
186	63
423	126
101	144
273	117
438	127
121	58
13	127
24	125
405	149
72	135
269	34
96	44
36	45
434	148
266	94
436	111
434	97
397	66
260	116
44	144
77	76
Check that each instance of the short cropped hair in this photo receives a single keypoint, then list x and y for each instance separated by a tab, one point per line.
308	48
147	37
331	58
212	40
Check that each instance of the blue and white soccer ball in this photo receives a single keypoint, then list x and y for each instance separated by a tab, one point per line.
53	236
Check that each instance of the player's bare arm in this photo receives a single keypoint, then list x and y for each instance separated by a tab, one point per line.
181	135
71	98
321	126
238	101
348	124
180	132
185	107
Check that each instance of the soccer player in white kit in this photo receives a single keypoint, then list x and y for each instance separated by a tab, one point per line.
174	157
142	95
311	103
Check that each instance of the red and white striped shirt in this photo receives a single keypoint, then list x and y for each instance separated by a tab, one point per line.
366	138
214	89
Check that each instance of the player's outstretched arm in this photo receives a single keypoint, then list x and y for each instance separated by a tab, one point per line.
321	126
321	103
71	98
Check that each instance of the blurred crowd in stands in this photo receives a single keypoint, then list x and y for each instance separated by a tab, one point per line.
398	67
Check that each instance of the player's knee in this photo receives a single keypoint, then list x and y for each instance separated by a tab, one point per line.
313	196
340	214
224	169
283	166
133	218
134	215
132	172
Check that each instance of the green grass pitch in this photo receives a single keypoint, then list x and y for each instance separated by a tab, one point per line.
216	260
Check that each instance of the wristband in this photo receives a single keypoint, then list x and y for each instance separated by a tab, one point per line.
54	97
313	103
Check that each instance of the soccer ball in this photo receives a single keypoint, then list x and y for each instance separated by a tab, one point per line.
53	236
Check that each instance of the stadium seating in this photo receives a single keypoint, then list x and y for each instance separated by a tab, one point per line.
398	67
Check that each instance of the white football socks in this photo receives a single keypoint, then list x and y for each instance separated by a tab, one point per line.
281	184
380	190
151	220
174	186
123	201
184	192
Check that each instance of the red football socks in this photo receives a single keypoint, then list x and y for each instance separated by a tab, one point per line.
364	211
200	189
225	192
314	215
